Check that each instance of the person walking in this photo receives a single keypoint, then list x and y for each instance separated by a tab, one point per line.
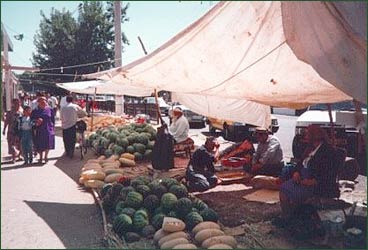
69	115
11	121
44	139
25	130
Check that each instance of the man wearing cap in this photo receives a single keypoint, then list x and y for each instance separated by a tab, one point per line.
179	127
200	173
268	158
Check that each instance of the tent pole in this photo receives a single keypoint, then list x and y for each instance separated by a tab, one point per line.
359	121
159	118
93	104
332	129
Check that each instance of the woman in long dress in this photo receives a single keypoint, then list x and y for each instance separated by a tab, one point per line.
44	136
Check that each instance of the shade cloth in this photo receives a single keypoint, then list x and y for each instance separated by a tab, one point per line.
104	87
283	54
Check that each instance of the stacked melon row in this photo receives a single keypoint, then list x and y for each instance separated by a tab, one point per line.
103	122
137	139
206	235
96	172
139	206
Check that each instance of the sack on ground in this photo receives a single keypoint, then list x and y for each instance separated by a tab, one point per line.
264	181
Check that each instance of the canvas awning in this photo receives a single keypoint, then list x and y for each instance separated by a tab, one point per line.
283	54
103	87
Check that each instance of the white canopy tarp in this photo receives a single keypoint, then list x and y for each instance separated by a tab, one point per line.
284	54
104	87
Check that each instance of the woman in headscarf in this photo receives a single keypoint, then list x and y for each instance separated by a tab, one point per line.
11	119
44	137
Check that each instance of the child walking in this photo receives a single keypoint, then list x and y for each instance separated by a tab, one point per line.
25	128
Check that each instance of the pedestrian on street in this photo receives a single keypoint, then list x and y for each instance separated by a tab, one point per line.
69	115
44	139
11	121
25	129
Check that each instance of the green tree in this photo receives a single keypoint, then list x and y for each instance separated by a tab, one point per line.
63	40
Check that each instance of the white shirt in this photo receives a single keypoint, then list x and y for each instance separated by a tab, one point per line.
63	102
52	102
69	115
34	104
179	129
269	152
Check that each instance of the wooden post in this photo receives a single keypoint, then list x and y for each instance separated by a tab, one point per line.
332	129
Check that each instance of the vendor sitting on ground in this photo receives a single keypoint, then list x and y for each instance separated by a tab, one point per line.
268	158
315	175
200	173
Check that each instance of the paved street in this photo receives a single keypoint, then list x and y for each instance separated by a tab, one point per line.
44	207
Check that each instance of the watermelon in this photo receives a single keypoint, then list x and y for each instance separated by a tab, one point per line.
151	202
119	207
199	204
183	207
122	223
157	220
142	212
125	190
148	154
208	214
134	199
138	156
108	153
118	150
122	141
139	222
168	182
168	201
105	189
128	211
192	219
112	136
158	190
139	147
130	149
143	190
179	190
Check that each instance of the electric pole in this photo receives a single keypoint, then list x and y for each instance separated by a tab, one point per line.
119	100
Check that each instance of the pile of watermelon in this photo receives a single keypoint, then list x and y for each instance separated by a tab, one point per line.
137	207
135	138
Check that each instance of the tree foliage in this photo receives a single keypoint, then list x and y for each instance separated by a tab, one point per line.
63	40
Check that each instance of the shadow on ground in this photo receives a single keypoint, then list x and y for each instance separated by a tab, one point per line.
64	220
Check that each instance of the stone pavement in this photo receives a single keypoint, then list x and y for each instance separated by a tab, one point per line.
42	206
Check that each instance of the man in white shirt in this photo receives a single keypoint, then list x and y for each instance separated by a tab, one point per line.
179	127
69	115
63	101
268	158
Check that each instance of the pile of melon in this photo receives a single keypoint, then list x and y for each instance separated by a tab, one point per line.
103	121
96	172
137	139
138	207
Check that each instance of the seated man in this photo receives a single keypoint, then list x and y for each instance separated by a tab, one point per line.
268	158
200	173
316	175
179	127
